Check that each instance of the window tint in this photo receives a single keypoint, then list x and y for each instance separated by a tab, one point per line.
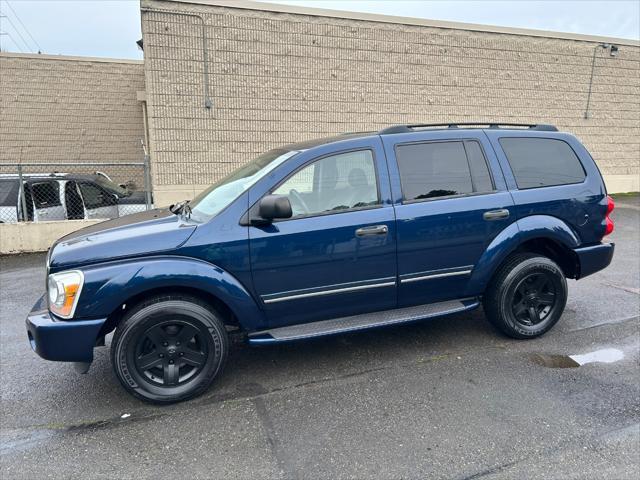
46	194
478	165
335	183
430	170
94	197
541	162
9	192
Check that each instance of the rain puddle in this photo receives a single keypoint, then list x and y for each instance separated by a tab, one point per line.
606	355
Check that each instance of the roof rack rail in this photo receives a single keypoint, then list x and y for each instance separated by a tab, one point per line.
542	127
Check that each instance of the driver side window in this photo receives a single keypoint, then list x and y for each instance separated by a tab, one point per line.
333	184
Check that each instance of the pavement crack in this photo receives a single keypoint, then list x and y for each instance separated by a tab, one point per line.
491	471
606	323
253	394
105	423
623	288
279	453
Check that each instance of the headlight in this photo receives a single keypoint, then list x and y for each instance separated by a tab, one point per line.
64	290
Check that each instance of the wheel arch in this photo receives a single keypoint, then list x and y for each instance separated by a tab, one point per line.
543	234
229	318
112	289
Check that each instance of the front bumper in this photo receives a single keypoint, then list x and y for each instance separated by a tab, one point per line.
61	340
594	258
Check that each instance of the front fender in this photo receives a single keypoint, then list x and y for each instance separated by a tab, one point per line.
109	285
508	240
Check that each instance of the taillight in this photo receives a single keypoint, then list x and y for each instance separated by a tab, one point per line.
608	222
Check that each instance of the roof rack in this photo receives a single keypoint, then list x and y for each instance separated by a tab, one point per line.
541	127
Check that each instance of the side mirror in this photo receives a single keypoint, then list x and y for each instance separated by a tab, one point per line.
272	207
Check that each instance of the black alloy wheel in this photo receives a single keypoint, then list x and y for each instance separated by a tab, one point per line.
533	299
526	296
170	353
169	348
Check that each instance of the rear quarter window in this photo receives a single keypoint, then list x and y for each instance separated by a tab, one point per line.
542	162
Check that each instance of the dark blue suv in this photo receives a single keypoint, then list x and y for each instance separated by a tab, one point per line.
330	236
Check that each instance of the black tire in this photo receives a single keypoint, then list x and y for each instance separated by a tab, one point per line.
526	296
181	340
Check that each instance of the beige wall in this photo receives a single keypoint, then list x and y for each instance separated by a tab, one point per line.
69	109
279	77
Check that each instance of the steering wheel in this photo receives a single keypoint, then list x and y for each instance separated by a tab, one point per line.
297	198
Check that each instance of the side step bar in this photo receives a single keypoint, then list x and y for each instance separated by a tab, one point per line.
361	322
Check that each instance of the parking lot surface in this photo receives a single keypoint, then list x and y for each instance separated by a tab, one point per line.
447	398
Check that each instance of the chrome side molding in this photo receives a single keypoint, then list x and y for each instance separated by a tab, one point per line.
388	282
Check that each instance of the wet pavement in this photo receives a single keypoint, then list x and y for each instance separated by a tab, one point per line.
447	398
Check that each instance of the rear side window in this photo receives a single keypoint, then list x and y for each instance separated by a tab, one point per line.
542	162
46	194
9	192
442	169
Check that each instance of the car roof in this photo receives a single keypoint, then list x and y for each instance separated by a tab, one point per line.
417	128
307	144
46	177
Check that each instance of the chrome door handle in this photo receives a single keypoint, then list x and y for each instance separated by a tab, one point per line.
373	230
496	214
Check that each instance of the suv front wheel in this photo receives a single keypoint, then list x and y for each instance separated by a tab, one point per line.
169	349
527	296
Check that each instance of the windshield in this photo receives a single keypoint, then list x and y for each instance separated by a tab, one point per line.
215	198
111	187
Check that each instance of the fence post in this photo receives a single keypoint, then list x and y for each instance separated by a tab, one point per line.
147	180
23	201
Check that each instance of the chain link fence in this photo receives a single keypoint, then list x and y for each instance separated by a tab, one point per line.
37	192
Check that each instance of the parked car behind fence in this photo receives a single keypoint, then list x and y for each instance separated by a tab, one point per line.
42	192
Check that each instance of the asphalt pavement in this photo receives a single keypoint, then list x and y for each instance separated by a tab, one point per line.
447	398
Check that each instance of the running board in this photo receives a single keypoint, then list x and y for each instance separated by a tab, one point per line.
362	322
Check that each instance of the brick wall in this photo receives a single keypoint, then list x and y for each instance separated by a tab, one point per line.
69	109
279	77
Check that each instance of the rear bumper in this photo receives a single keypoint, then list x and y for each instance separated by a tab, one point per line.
61	340
594	258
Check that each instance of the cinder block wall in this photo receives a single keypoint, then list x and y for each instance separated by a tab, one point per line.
69	109
277	77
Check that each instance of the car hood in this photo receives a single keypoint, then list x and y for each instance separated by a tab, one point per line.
139	234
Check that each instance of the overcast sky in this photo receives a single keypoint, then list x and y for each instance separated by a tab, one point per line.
110	28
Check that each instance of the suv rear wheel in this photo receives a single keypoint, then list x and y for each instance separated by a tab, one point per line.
527	296
169	349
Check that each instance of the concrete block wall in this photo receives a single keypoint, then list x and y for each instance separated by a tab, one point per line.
69	109
281	76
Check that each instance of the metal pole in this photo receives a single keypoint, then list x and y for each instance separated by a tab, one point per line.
23	200
593	67
147	176
147	181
